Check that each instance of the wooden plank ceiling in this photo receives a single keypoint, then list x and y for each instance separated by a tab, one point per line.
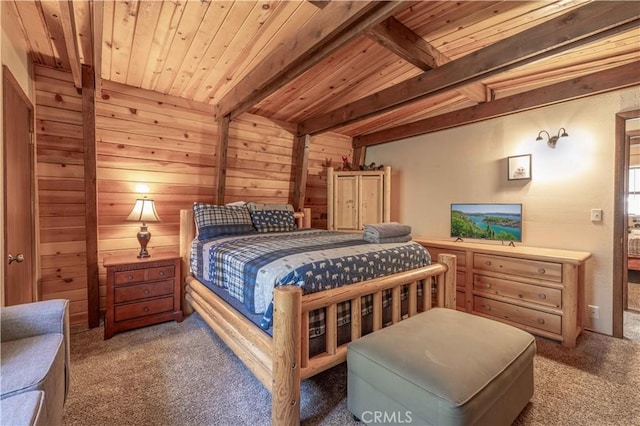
205	51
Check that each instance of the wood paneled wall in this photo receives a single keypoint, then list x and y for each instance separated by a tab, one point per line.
165	143
326	150
61	196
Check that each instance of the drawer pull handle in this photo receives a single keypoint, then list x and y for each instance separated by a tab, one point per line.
486	307
540	321
541	270
487	285
487	262
542	296
161	273
146	291
146	309
129	277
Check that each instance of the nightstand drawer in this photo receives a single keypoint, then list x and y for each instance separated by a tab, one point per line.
143	309
140	275
519	291
126	277
522	267
161	272
519	314
131	293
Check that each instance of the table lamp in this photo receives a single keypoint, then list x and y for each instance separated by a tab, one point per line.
144	211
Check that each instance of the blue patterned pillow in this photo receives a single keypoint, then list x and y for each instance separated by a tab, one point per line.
272	217
213	221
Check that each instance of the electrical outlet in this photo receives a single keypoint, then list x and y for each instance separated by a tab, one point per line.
596	215
594	311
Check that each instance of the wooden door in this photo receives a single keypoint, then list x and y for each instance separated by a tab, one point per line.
346	202
371	200
19	238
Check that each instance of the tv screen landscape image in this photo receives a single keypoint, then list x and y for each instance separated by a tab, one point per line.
501	222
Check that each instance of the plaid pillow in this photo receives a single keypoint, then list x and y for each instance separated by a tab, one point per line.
213	221
272	217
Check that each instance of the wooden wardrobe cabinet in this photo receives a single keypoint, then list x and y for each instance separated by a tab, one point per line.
355	198
537	289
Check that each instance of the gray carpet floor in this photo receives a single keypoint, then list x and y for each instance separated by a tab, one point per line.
182	374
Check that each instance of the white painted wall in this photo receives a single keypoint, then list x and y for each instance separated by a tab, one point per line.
468	165
13	54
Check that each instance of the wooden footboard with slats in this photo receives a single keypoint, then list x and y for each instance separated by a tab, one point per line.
282	361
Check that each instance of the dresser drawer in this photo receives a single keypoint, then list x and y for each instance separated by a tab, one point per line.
142	309
140	275
461	301
131	293
519	291
519	314
527	268
461	257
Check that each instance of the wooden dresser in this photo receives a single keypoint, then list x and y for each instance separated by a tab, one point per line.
536	289
141	292
355	198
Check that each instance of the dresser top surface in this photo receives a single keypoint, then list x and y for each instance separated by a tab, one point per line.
126	260
540	253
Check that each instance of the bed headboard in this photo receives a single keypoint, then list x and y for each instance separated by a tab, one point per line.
188	231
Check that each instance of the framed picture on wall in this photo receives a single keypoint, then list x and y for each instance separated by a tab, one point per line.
519	167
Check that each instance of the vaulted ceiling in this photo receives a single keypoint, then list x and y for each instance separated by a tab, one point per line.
358	68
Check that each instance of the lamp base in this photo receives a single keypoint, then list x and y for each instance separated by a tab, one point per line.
144	236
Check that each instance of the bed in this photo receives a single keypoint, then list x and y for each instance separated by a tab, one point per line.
281	357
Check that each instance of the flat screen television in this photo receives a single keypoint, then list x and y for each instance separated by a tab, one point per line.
501	222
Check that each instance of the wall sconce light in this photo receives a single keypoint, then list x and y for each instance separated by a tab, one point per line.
552	140
144	211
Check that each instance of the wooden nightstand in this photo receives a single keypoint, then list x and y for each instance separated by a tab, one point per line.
141	292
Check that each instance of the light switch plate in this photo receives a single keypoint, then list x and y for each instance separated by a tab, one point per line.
596	215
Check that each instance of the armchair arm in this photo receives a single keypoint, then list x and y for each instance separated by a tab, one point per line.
33	319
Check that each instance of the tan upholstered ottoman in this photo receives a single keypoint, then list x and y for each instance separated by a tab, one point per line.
441	367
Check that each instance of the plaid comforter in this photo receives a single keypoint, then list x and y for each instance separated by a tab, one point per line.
250	266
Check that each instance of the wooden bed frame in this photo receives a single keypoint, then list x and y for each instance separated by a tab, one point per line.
282	361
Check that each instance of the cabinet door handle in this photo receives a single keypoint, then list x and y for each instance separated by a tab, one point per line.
541	270
540	321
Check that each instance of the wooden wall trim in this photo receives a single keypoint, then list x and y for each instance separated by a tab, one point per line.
303	145
90	194
621	156
221	157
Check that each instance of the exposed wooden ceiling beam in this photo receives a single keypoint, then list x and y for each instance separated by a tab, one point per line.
589	23
96	25
320	4
401	40
599	82
338	23
69	27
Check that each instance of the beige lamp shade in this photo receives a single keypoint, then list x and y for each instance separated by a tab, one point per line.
144	211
